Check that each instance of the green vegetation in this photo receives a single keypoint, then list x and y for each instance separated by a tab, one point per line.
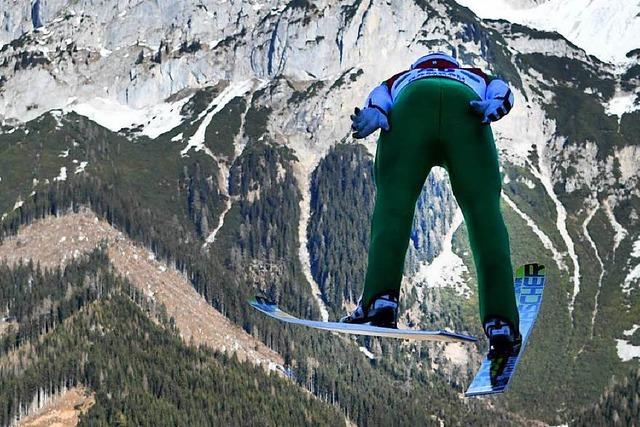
310	92
342	200
630	127
351	74
224	127
256	119
567	72
170	203
204	199
111	346
41	300
581	118
618	406
255	251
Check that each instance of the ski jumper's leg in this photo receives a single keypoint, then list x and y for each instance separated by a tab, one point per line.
404	158
471	159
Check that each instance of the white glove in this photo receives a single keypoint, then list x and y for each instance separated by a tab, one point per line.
497	103
366	121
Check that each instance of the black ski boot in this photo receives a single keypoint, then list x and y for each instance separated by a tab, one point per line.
504	340
382	312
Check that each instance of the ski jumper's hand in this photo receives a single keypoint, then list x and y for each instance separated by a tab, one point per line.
496	104
365	122
374	115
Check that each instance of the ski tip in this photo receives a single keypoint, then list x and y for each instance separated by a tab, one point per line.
457	336
531	269
263	304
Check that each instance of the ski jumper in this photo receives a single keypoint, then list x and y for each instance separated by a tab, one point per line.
432	124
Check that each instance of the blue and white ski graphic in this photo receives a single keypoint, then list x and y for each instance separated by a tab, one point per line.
494	375
272	310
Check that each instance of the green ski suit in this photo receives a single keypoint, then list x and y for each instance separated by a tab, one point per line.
432	124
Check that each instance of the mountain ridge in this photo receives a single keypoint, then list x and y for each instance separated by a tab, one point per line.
256	172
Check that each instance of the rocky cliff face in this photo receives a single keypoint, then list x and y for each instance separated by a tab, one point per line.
260	93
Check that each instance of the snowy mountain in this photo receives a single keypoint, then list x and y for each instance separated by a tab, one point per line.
604	28
217	135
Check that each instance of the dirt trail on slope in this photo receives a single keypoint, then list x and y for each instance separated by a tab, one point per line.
63	410
55	241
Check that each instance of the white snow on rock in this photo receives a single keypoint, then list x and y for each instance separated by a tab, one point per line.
81	167
446	269
235	89
527	182
367	353
620	231
636	249
607	29
620	104
155	119
631	331
633	276
18	204
626	350
62	176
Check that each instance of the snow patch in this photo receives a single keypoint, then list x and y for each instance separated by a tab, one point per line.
620	231
635	252
527	182
62	176
367	353
626	350
64	153
634	274
621	104
18	204
446	269
631	331
233	90
632	277
154	120
81	167
607	29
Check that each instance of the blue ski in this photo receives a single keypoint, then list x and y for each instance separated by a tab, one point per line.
494	375
271	309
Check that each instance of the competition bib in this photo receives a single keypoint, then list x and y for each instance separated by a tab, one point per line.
473	81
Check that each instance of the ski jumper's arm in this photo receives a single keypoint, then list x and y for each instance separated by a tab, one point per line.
497	102
380	99
374	115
